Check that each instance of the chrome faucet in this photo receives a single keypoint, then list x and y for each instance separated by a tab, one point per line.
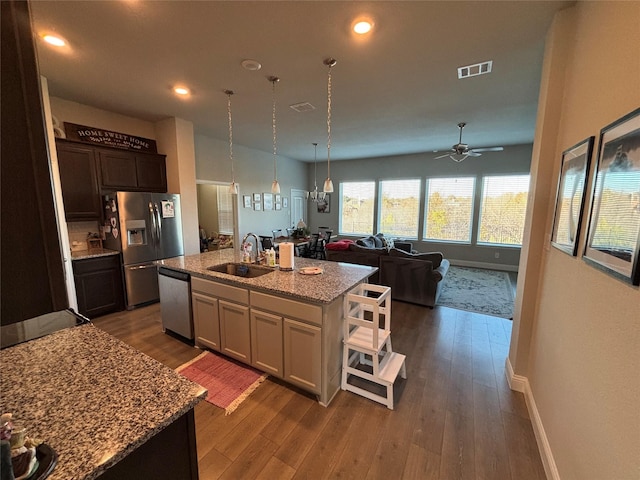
255	237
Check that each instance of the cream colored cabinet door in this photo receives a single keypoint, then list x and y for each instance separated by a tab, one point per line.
235	330
266	342
302	355
206	321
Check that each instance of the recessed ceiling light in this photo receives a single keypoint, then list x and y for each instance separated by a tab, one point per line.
54	40
363	26
249	64
181	90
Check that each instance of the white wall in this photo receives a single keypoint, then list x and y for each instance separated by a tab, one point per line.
208	207
254	174
576	344
175	140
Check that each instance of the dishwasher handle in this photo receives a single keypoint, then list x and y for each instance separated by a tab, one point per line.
167	272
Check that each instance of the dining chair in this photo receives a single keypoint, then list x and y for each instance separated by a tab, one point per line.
277	233
325	234
267	242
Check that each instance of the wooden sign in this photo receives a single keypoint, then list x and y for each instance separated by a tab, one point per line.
107	138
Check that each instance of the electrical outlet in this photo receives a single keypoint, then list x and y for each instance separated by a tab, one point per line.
496	255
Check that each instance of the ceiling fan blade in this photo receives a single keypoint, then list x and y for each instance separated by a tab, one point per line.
442	156
488	149
473	153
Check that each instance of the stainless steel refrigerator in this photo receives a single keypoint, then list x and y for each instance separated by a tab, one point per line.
145	227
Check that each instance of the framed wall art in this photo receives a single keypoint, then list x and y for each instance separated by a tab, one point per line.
267	200
246	199
257	197
613	243
285	202
324	205
570	197
257	206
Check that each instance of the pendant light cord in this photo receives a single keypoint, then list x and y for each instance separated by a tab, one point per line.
331	64
229	93
273	123
315	166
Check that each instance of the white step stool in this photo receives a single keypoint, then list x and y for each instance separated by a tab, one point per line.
368	344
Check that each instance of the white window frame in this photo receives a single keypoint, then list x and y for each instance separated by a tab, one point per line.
425	236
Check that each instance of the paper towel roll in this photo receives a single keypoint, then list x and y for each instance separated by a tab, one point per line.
286	256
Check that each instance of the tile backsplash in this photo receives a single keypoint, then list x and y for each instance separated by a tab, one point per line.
78	232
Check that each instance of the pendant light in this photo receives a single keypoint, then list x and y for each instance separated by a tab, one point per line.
315	195
275	186
328	184
233	187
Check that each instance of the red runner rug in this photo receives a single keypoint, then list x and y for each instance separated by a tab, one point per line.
228	382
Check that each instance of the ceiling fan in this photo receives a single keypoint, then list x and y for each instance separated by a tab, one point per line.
460	150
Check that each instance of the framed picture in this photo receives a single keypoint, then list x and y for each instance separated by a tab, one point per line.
276	198
285	202
613	243
257	197
570	198
324	205
277	206
257	206
267	200
247	201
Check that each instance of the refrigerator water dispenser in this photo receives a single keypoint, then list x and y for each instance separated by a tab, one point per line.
136	233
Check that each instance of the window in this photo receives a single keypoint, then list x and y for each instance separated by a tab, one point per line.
399	208
503	208
225	211
449	209
356	207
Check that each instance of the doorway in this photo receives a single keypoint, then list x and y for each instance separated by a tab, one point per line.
217	215
298	206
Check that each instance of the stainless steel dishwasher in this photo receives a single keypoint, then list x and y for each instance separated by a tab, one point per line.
175	301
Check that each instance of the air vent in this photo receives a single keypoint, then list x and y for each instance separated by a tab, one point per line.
302	107
476	69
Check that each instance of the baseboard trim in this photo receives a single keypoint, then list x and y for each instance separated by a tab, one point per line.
521	384
487	265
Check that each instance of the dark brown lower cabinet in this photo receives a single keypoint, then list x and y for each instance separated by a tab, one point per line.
98	285
169	455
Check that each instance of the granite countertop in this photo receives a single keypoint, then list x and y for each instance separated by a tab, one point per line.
97	252
324	288
90	397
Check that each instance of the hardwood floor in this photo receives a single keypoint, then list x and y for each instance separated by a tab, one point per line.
455	416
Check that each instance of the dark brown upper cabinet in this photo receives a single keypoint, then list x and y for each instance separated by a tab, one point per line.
126	170
79	179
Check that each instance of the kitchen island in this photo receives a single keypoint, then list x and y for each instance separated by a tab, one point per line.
283	322
105	408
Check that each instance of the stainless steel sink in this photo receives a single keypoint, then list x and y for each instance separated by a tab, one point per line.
241	270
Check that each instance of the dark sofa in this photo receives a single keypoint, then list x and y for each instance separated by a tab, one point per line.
413	277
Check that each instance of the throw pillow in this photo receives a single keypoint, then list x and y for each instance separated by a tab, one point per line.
339	245
434	257
379	240
366	242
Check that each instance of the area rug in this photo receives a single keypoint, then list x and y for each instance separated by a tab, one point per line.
478	290
229	383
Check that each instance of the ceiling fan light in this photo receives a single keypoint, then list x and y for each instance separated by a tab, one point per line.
233	188
328	186
457	158
275	187
321	195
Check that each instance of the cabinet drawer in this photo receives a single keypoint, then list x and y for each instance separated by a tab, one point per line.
90	265
287	308
227	292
